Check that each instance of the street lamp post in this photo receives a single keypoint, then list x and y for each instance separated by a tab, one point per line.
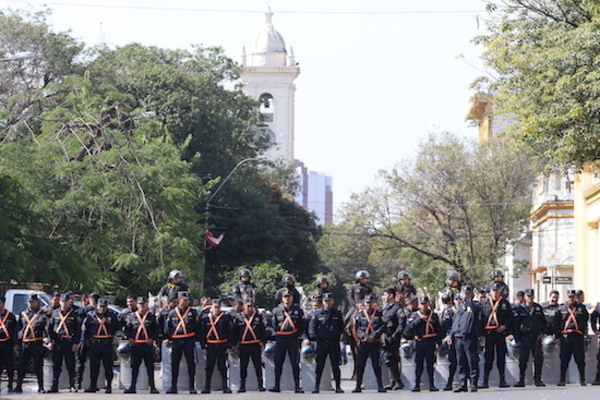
24	55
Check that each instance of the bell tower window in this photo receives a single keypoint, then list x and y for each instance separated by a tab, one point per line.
266	106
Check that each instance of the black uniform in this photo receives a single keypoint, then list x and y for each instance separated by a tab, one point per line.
549	312
169	288
140	328
294	293
124	318
446	327
243	291
216	339
326	328
570	326
529	327
356	294
183	328
426	329
319	292
394	317
466	329
98	331
495	314
369	328
32	330
8	339
64	329
505	291
250	335
595	323
289	326
407	289
82	351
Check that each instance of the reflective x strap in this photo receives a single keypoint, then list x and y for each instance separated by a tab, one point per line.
493	316
63	323
249	329
29	326
142	327
213	326
370	319
181	323
3	326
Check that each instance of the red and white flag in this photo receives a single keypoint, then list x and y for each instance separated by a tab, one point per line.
213	240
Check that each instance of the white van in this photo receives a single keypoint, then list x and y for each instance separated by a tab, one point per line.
16	300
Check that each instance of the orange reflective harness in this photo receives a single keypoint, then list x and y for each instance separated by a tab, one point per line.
63	324
4	328
181	325
102	331
213	329
493	317
370	320
571	318
142	328
429	329
286	321
249	329
29	328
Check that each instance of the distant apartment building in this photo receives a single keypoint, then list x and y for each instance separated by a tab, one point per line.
315	193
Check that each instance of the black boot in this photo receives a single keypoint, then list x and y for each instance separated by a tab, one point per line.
595	383
473	385
521	382
54	387
242	388
131	389
417	387
358	387
317	386
462	387
503	383
561	381
485	384
276	388
432	387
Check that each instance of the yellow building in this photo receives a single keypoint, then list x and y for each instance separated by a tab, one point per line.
587	236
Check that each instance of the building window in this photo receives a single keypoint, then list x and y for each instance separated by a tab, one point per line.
266	106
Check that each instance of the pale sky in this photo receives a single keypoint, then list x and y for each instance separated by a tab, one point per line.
376	76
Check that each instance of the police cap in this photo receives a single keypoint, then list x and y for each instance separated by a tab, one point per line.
496	286
327	296
172	296
216	302
466	289
423	300
571	293
103	302
369	298
65	297
286	293
142	300
183	295
529	292
248	302
33	297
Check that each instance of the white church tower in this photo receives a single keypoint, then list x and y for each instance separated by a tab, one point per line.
268	75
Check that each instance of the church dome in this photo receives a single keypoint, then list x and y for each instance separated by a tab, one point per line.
268	40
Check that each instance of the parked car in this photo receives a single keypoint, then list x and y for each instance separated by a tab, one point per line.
16	300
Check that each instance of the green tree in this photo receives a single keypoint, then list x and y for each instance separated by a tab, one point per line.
543	55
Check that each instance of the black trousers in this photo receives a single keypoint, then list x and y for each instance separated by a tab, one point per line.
424	352
7	360
80	358
181	347
391	358
495	346
291	346
216	354
531	345
101	351
251	352
571	344
35	351
63	349
453	363
366	350
468	359
331	349
142	352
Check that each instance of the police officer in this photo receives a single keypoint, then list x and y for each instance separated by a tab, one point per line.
447	318
595	323
289	285
529	328
549	309
53	305
322	287
425	325
183	328
369	328
570	326
64	329
403	284
452	283
250	337
326	327
163	315
466	329
497	316
8	340
142	330
245	289
289	325
498	276
175	284
32	332
357	292
90	302
99	328
395	322
216	340
132	307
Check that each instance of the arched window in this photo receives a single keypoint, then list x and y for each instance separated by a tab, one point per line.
266	106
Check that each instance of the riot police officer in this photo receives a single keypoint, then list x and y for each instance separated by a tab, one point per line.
64	329
216	331
32	332
497	316
425	326
289	326
403	284
289	285
498	277
142	330
447	318
8	340
395	322
358	292
183	330
369	328
466	329
529	328
326	327
250	337
175	284
570	326
452	283
322	284
99	328
245	289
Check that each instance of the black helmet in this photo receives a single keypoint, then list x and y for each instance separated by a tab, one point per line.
175	273
403	275
245	272
288	278
497	272
361	274
452	274
322	279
